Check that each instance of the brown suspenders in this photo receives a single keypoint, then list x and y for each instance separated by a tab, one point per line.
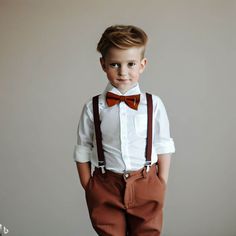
149	130
98	134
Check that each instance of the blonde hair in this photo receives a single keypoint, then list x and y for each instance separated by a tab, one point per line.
122	37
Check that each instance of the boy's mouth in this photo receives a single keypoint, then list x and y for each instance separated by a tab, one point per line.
123	80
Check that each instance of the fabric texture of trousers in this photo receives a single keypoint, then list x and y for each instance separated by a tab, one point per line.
126	204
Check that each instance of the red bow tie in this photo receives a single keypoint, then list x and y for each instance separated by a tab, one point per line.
132	101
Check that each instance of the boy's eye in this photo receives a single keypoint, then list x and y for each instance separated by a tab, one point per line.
131	64
114	65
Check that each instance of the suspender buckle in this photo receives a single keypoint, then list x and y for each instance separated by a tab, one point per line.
103	169
102	166
147	165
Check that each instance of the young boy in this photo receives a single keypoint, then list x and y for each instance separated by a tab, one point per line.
124	146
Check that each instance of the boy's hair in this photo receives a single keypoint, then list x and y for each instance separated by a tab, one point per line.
122	37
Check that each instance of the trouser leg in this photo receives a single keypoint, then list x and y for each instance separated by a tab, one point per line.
145	211
105	204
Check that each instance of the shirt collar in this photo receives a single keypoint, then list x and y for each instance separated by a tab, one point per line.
132	91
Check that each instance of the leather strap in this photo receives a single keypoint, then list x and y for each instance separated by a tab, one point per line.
97	122
149	129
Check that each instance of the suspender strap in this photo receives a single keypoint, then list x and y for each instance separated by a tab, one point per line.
149	130
98	134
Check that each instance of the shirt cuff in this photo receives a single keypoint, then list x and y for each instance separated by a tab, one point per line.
165	146
82	153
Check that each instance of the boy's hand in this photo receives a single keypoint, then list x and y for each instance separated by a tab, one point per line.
164	166
84	170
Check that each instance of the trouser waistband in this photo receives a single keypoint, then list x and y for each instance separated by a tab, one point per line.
128	174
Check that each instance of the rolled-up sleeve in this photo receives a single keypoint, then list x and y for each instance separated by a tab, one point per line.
163	143
85	132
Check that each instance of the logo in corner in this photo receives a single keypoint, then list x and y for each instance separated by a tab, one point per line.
3	230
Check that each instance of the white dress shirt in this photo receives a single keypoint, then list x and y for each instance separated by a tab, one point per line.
124	132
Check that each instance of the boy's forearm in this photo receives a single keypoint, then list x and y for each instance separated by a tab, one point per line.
164	166
84	170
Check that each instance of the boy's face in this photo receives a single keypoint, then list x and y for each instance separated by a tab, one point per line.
123	67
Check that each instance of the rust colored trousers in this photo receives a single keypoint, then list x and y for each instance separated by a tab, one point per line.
126	204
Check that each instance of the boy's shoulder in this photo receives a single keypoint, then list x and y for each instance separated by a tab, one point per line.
155	98
89	101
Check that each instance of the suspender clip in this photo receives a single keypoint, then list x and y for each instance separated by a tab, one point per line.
102	166
103	169
147	165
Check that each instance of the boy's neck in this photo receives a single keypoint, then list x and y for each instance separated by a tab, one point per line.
123	91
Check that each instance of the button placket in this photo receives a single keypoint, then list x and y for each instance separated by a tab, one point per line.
121	127
123	133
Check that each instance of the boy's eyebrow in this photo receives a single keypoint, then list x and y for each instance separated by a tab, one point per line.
117	61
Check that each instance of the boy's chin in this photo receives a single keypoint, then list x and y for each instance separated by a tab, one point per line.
124	89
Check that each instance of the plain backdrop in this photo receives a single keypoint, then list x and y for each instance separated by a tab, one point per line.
49	67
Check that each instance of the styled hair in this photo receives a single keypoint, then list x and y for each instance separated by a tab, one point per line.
122	37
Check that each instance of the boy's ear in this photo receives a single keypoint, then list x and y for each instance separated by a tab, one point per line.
102	62
143	64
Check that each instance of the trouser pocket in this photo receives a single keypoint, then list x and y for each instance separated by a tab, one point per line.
149	189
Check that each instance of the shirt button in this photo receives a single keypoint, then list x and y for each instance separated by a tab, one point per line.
126	175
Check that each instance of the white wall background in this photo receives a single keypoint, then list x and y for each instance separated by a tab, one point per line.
49	67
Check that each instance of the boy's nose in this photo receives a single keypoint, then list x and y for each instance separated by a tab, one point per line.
122	71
